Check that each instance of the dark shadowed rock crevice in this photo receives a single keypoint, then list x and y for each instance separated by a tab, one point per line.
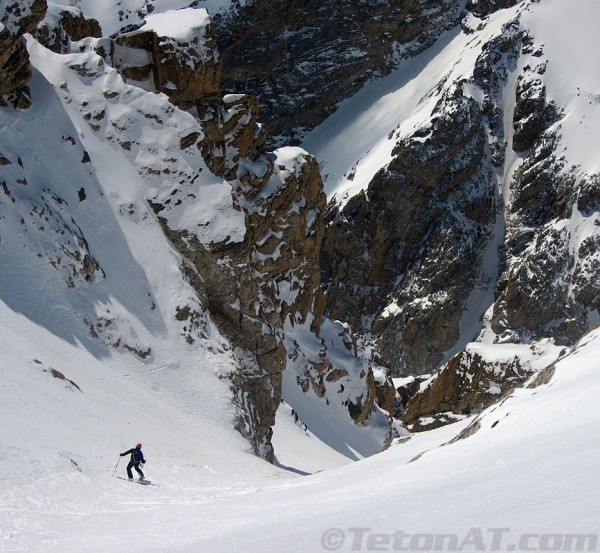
301	58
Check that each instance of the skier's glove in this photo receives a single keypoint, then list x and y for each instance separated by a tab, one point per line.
121	454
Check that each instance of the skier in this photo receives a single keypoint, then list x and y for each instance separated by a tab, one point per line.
137	457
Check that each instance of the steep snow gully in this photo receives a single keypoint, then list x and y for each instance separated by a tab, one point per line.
95	357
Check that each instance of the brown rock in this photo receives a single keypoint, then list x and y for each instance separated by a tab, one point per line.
71	25
244	296
188	73
467	384
241	128
15	72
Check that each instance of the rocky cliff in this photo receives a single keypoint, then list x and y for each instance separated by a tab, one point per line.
17	19
247	223
465	232
480	198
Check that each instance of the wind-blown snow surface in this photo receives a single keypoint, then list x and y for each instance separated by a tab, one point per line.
570	51
531	468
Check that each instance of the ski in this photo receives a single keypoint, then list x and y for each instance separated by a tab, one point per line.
142	482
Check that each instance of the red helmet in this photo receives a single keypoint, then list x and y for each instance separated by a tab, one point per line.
139	446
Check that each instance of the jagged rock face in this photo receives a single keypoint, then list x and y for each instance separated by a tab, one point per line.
301	58
469	383
255	287
252	287
187	68
532	114
17	18
374	249
62	26
232	134
286	235
242	133
401	260
437	192
547	287
184	68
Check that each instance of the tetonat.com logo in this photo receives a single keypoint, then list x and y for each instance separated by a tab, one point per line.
473	540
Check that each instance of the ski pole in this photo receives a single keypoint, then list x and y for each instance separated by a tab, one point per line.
116	465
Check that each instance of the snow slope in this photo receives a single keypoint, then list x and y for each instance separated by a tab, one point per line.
531	468
567	84
70	403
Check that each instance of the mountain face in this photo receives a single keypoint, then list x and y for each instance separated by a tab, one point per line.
478	198
465	218
302	58
441	195
245	223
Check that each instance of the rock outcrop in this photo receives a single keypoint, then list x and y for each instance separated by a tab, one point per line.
546	289
241	282
472	381
417	235
183	64
253	286
62	26
17	18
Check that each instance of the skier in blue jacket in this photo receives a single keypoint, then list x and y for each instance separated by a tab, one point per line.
137	457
